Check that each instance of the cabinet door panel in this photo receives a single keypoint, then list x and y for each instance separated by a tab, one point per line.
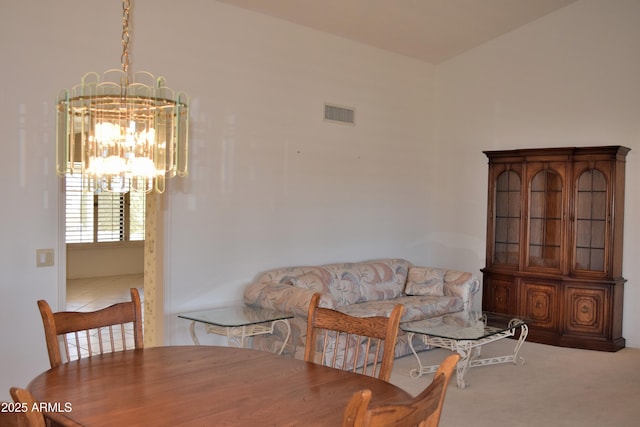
505	216
541	303
585	309
498	295
591	214
546	212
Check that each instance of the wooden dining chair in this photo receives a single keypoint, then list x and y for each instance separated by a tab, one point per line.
84	334
9	418
423	410
357	344
29	415
33	414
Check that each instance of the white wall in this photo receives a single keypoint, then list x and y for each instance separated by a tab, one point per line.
113	259
569	79
272	184
44	46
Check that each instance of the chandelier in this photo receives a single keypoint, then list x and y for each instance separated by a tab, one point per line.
124	132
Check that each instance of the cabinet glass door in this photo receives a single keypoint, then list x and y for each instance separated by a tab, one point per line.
507	226
545	219
591	218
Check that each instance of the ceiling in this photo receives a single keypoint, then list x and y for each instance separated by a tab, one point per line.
430	30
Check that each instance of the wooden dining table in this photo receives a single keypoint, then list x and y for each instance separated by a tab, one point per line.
201	386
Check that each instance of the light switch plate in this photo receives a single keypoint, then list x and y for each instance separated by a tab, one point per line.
44	257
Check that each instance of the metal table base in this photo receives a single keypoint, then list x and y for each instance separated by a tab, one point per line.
469	351
236	334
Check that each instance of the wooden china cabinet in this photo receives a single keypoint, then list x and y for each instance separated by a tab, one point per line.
554	243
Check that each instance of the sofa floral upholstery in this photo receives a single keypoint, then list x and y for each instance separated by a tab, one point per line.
368	288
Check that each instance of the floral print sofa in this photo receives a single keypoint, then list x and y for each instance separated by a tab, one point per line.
368	288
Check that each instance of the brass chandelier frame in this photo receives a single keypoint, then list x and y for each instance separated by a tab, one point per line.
122	132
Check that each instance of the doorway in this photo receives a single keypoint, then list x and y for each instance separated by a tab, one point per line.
96	271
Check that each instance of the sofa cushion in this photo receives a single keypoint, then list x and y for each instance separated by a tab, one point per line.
309	281
287	274
425	281
313	282
368	281
461	284
415	307
423	306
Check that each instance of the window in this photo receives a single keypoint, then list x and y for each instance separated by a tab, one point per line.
102	217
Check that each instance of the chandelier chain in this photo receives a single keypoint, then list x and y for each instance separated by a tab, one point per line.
124	59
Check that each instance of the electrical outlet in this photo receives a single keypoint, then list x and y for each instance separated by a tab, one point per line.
44	257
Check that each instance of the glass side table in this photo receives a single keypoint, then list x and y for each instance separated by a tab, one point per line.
238	323
465	332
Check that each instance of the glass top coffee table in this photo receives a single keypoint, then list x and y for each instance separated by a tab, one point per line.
466	332
238	323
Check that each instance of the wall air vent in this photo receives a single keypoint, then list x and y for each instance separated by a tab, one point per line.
337	114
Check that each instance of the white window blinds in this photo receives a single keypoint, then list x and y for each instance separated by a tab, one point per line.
102	217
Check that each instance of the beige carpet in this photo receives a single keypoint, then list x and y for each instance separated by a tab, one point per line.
555	387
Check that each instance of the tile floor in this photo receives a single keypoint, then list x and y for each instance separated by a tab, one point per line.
93	294
98	292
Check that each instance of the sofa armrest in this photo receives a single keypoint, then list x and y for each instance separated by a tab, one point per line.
283	297
461	284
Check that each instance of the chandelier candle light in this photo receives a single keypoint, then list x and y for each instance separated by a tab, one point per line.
122	133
